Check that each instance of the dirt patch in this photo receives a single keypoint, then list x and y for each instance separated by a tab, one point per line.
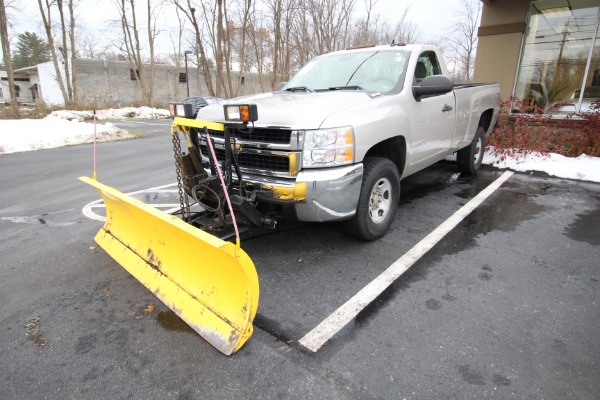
33	330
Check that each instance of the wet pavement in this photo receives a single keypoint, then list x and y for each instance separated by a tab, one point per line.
505	306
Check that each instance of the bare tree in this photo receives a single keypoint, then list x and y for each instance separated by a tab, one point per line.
364	34
282	14
224	21
132	45
330	23
7	57
73	52
237	41
405	31
176	43
462	43
68	41
189	10
152	12
67	75
46	13
88	45
259	40
375	29
215	15
218	43
301	37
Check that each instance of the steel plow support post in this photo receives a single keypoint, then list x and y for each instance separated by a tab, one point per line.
209	283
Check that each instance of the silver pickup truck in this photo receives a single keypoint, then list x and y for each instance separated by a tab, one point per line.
335	142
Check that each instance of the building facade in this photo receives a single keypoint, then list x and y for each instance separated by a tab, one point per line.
544	53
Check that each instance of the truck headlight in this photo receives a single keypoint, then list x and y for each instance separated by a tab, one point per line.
241	112
328	147
181	110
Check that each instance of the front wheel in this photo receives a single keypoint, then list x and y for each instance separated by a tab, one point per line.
469	158
378	201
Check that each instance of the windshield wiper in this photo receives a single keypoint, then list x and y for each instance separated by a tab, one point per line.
299	89
352	87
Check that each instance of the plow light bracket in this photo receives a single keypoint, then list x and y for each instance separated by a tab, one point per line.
241	112
181	110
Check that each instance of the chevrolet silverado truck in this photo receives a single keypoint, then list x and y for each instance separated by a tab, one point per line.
335	142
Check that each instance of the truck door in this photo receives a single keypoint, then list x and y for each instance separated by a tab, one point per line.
432	119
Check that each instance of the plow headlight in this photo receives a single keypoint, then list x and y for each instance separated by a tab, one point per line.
181	110
241	112
328	147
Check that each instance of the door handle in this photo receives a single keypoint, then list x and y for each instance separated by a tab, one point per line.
446	108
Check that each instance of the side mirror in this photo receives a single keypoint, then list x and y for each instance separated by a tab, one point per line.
433	85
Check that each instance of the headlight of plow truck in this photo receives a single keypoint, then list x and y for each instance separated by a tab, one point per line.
181	110
240	112
328	147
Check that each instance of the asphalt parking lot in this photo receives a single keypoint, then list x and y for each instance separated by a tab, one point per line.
504	306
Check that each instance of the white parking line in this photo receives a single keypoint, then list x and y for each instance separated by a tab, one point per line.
151	123
348	311
88	209
154	189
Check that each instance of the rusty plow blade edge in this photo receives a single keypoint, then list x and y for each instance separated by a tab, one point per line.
209	283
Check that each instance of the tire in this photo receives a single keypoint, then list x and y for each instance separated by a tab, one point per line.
378	200
469	158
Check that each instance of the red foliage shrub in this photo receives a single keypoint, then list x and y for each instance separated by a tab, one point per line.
519	134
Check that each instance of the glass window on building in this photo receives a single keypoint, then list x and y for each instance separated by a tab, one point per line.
559	71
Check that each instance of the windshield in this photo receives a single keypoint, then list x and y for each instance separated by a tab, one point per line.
379	71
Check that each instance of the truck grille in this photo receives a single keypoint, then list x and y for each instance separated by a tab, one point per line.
255	161
262	135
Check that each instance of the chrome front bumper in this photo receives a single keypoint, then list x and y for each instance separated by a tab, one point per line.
319	195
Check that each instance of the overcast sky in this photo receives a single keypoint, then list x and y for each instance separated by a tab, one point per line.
433	18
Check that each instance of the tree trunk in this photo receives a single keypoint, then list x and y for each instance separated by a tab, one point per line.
151	37
65	52
7	59
73	53
47	21
131	40
190	13
219	49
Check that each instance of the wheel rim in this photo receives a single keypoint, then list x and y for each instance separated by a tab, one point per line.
478	152
380	200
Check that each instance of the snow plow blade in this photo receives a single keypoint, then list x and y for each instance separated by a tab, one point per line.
210	284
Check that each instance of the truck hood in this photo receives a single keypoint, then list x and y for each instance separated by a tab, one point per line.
293	110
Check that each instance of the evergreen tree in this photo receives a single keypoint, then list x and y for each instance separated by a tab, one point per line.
30	50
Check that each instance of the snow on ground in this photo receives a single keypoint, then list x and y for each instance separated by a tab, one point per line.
63	128
113	113
582	168
37	134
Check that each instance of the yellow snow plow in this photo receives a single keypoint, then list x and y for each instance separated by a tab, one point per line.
209	282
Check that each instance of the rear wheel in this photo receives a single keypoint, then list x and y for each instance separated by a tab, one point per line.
469	158
378	201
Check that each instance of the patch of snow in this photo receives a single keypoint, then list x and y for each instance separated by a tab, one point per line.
36	134
113	113
583	168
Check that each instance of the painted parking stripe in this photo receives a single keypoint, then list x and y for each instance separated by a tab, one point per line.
167	123
348	311
88	209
